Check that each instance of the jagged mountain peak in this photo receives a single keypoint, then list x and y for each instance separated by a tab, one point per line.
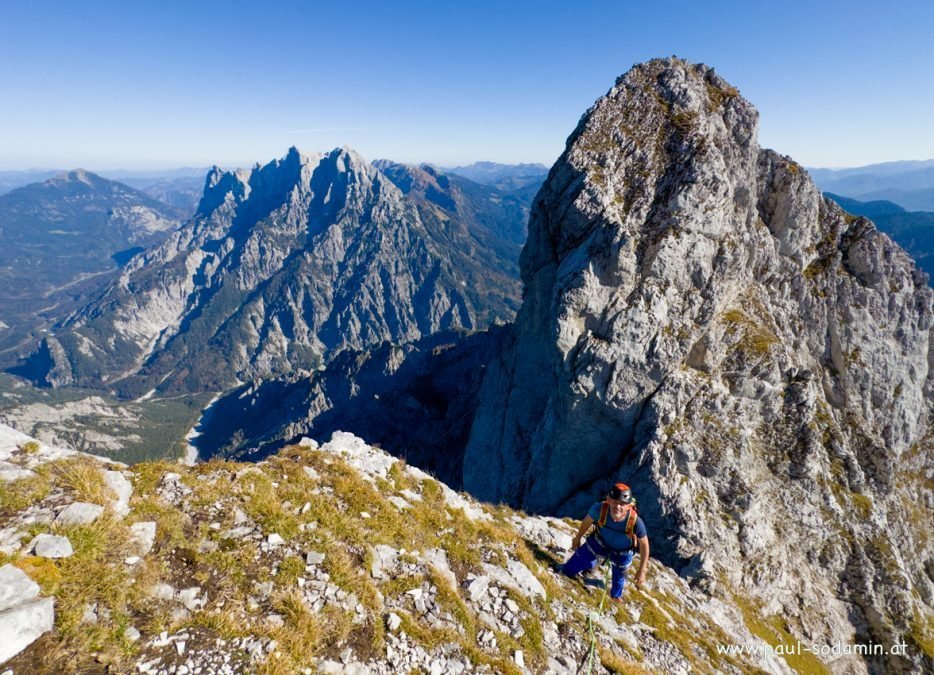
646	138
270	185
219	184
424	180
80	175
282	266
430	169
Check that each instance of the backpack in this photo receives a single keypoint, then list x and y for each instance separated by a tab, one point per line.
632	518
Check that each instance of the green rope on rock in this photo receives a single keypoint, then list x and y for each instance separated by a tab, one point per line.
592	652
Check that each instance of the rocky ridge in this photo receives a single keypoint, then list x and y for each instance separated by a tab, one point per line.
333	559
485	224
280	268
912	230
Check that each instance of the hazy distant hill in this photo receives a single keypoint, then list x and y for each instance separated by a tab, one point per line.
909	184
912	200
502	176
181	192
870	209
10	180
177	187
62	239
912	230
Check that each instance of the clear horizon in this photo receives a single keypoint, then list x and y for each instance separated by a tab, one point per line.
111	87
230	167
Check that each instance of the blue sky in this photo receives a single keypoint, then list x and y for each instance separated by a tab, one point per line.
132	84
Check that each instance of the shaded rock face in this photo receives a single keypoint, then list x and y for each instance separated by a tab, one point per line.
414	400
483	224
280	267
912	230
699	322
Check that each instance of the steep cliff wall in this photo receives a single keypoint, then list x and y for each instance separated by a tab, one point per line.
698	321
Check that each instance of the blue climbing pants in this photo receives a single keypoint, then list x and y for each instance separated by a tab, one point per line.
587	556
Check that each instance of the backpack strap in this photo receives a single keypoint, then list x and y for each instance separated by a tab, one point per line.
604	513
600	522
631	525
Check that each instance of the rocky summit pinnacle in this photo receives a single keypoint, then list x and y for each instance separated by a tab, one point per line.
700	322
281	266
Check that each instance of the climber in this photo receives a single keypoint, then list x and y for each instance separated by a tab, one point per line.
617	529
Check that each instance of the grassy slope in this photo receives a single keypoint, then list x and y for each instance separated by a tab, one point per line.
310	511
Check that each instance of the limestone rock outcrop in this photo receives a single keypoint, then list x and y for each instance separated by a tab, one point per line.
24	616
700	322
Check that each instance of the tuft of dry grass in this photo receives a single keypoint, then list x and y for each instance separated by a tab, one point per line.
41	570
94	575
171	522
341	567
81	477
619	665
450	600
19	494
301	637
773	632
148	475
533	641
290	569
226	622
30	447
264	505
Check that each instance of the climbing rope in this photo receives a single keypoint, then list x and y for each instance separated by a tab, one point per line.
592	652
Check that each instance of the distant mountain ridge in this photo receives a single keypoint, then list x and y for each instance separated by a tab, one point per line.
181	192
180	188
502	176
907	183
894	168
869	209
912	230
63	238
10	180
281	267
